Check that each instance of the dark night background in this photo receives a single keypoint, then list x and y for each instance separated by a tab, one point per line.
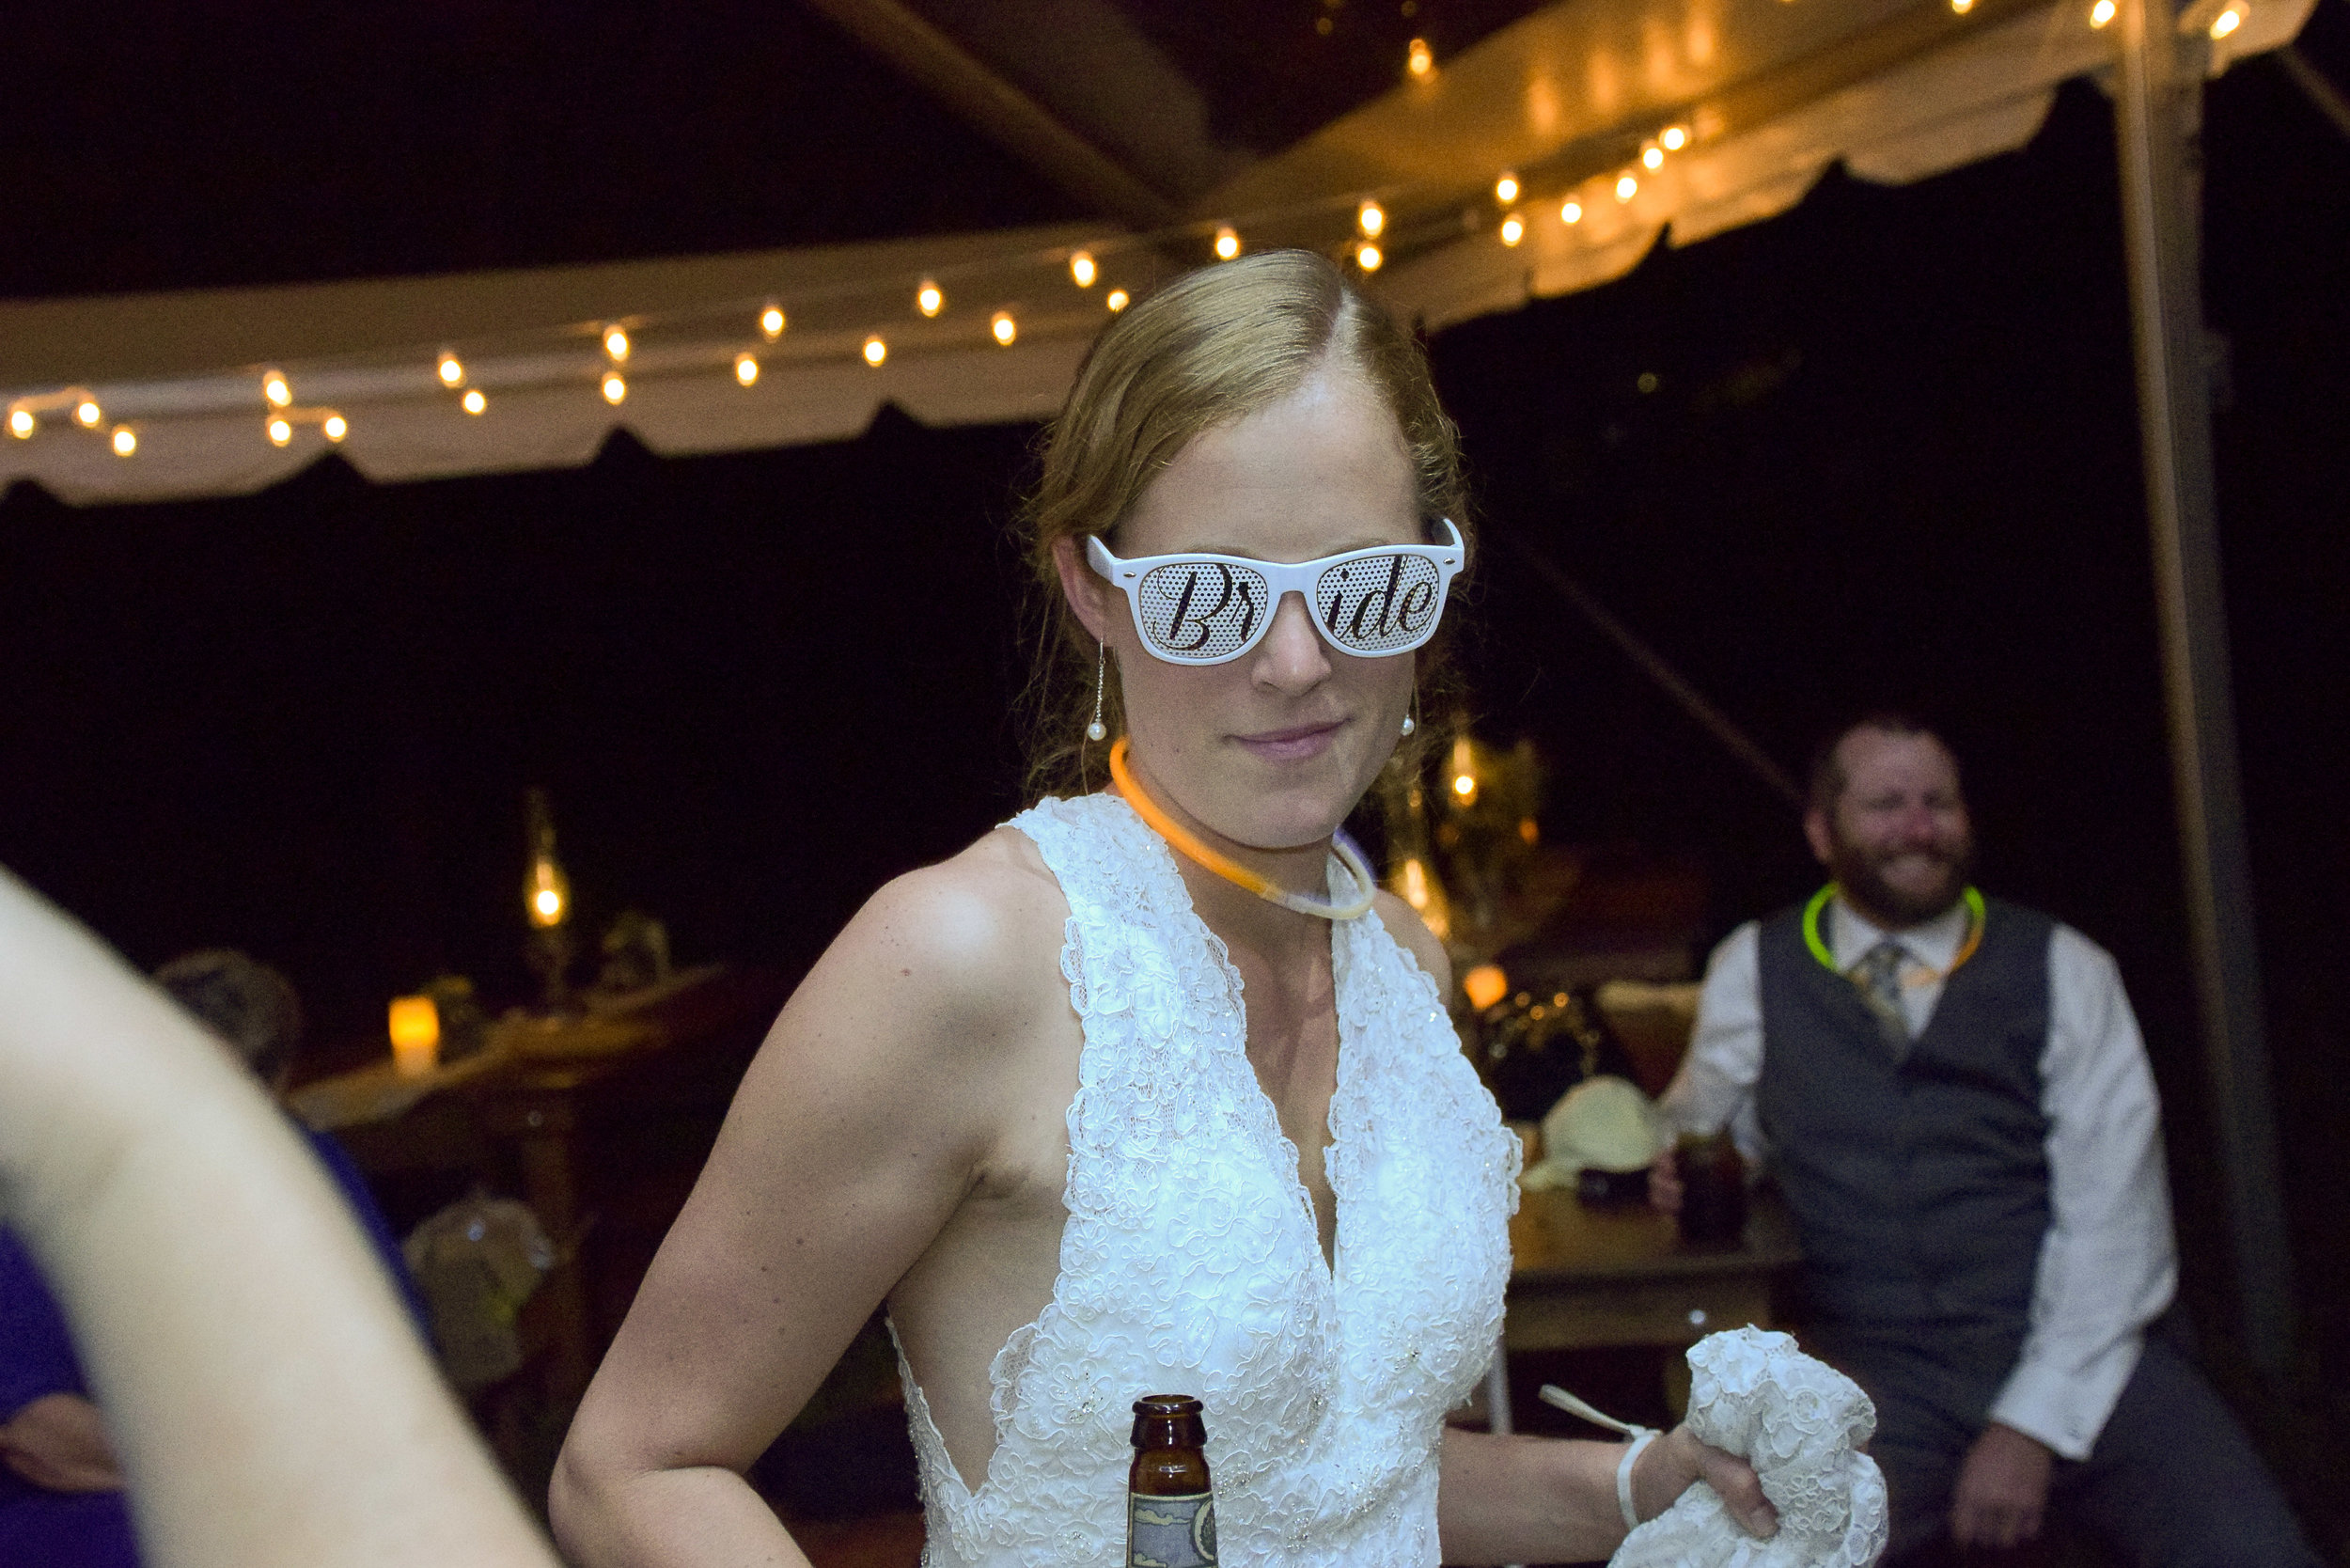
1890	456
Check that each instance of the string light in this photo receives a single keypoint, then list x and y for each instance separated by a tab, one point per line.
22	424
771	321
1962	7
1572	211
615	387
1081	268
333	427
1674	137
1370	218
1418	58
1004	327
126	441
875	352
451	371
274	391
1116	300
86	414
616	344
1367	256
930	299
2100	13
1506	189
1653	156
1227	242
2225	23
280	432
474	401
1513	229
1627	186
746	368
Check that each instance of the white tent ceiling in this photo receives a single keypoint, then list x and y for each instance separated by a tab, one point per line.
1771	92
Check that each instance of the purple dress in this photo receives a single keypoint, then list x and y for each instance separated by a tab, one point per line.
39	1528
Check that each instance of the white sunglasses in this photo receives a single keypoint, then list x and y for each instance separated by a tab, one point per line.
1210	609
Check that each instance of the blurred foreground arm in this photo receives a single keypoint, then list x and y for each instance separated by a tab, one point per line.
270	1403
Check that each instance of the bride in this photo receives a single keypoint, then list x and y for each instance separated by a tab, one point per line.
1150	1089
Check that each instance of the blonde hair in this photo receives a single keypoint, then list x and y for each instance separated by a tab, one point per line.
1214	346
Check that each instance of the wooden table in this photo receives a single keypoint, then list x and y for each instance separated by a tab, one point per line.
531	1110
1587	1278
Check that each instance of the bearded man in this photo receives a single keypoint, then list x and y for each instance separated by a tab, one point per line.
1953	1095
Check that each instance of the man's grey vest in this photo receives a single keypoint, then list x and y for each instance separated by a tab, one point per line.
1919	1185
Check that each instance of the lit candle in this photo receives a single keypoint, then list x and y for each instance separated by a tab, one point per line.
415	1026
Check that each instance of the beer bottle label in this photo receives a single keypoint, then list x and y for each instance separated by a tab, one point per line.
1170	1532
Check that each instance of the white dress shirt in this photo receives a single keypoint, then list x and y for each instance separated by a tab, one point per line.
2107	1266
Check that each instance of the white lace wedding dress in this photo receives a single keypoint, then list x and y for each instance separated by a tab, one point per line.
1190	1261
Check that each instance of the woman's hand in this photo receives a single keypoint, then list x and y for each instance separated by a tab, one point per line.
1668	1466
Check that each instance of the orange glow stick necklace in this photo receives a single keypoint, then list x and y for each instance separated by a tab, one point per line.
1232	870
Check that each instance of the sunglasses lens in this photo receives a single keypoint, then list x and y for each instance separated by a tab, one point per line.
1201	611
1381	603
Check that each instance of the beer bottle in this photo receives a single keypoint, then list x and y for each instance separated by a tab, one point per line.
1170	1506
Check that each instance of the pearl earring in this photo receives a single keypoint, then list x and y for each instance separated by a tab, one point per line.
1411	724
1097	731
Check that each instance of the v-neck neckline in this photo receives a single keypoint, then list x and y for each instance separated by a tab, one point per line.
1267	1113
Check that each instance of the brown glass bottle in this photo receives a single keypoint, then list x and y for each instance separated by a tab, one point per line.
1170	1503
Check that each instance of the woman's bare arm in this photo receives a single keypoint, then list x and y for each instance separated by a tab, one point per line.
1541	1499
858	1131
270	1402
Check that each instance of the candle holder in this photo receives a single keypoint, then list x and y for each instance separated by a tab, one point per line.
547	902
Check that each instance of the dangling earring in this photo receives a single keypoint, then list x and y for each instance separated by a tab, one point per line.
1097	731
1411	724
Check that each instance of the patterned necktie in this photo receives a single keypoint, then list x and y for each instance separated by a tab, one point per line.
1878	977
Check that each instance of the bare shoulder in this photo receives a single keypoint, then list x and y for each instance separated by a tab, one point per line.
957	931
1404	924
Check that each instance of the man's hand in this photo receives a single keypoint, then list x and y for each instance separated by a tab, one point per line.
2002	1489
58	1443
1664	1183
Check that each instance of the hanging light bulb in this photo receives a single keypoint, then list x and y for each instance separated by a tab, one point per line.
1116	300
746	368
1506	189
333	427
1962	7
86	414
1572	211
1004	327
1370	218
875	352
1227	242
615	387
280	432
1513	229
1673	137
1367	256
616	344
1418	58
451	370
929	299
474	401
1653	156
2225	23
1627	186
2102	13
1081	268
126	441
771	321
22	424
274	391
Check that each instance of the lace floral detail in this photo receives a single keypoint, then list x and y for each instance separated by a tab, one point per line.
1800	1423
1191	1262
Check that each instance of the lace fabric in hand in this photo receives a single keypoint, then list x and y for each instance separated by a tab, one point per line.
1801	1425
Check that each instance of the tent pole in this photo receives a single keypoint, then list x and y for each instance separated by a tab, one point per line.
2158	110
